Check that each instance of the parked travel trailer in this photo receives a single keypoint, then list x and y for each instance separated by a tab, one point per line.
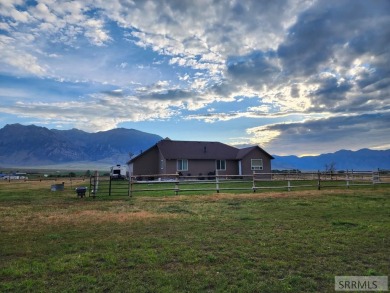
119	172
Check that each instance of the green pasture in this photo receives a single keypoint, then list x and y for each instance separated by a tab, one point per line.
271	241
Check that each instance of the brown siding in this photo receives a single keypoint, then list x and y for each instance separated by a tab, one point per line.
231	168
147	163
154	162
171	167
196	167
256	154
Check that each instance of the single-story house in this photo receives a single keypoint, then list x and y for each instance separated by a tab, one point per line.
196	158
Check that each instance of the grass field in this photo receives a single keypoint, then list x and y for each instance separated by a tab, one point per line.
254	242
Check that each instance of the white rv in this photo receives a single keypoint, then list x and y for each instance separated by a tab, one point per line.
119	172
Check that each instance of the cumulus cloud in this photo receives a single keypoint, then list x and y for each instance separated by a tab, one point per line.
42	12
308	58
315	136
186	29
340	51
8	9
257	69
19	60
95	32
102	111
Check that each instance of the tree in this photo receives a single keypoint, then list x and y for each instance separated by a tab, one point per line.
330	168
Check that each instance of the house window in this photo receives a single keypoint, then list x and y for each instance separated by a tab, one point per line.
182	165
256	164
221	165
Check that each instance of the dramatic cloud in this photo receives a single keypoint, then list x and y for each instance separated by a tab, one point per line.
263	68
341	51
323	135
102	112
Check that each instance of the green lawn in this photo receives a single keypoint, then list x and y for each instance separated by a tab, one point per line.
254	242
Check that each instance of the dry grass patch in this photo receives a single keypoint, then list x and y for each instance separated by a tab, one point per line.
83	217
15	185
95	216
230	196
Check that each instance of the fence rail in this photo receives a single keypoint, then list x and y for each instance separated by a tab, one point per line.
176	183
256	182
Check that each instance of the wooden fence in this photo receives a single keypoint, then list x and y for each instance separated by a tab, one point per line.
177	184
255	182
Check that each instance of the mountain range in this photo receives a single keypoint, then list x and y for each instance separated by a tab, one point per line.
36	146
32	146
362	160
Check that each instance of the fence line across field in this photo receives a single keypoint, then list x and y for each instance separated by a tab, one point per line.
105	185
312	179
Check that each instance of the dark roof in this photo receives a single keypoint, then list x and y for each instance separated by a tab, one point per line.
195	150
243	152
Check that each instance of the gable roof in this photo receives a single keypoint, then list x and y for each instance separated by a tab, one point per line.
243	152
193	150
196	150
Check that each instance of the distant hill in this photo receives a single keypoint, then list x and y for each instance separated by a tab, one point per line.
38	146
364	159
33	145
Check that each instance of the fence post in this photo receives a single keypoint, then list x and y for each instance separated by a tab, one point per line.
319	180
253	182
128	186
95	183
375	177
109	186
288	185
90	185
177	184
347	179
216	181
131	185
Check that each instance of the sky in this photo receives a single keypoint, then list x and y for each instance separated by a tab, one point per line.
297	77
